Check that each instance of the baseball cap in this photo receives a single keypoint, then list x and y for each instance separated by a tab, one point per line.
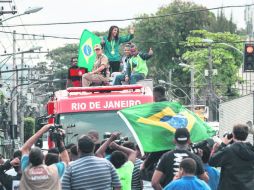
182	135
97	46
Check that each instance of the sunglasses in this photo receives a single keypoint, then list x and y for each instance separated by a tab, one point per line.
97	49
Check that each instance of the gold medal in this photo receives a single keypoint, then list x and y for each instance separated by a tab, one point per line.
112	52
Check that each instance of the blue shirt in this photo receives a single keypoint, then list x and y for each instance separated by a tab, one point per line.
25	162
214	176
187	183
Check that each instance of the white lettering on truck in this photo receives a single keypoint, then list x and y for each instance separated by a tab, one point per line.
121	104
112	104
78	106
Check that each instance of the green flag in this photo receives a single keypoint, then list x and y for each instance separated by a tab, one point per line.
86	55
153	125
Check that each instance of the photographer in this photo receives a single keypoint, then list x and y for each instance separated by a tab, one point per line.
204	151
236	160
35	174
168	165
122	158
9	181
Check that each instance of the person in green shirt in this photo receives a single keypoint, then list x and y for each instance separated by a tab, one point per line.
111	45
137	64
122	158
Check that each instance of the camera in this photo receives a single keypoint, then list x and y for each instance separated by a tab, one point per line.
228	135
55	134
200	145
120	140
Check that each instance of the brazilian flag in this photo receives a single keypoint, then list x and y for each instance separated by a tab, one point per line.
86	55
153	125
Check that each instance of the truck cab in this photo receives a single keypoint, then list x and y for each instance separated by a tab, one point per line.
82	109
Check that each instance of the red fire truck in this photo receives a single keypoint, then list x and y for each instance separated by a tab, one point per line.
81	109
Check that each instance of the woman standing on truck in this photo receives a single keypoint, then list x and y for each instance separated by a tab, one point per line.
111	45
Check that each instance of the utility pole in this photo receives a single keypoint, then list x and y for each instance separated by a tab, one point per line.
192	87
22	101
210	84
169	88
14	104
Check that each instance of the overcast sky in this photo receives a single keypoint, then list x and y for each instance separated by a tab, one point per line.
87	10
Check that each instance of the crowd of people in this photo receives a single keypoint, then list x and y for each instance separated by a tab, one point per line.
113	164
110	68
91	164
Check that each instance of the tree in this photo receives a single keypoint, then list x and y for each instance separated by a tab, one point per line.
29	127
61	58
166	36
222	24
225	59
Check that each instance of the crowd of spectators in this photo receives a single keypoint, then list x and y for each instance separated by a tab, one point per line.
112	164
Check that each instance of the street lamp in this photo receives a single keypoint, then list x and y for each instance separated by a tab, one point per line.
170	84
210	72
28	11
192	83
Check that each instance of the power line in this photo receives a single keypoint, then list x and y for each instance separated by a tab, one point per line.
42	35
129	19
158	42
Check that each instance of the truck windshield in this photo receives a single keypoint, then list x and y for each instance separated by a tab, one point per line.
77	124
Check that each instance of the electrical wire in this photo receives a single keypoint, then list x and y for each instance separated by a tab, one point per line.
42	35
134	18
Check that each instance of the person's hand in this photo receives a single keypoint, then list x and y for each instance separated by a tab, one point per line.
15	162
131	30
47	126
215	148
114	135
150	52
225	140
126	79
113	145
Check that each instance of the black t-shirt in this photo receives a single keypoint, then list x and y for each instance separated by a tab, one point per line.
170	162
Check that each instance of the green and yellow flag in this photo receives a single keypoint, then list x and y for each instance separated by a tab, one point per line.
86	55
153	125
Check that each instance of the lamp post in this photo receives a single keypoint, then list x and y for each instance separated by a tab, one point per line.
192	84
28	11
14	82
170	84
210	73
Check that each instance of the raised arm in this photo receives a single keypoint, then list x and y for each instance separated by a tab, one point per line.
61	147
131	153
101	151
29	143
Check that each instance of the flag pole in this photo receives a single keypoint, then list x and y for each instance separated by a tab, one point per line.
133	132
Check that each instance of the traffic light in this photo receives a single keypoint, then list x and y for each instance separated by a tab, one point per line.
248	57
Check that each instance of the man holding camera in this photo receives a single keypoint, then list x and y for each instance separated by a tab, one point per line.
35	174
236	159
168	166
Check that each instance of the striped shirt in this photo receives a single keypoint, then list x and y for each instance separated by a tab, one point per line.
136	183
90	173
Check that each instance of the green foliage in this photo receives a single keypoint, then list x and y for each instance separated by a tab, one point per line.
62	56
61	61
165	35
29	125
222	24
225	59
